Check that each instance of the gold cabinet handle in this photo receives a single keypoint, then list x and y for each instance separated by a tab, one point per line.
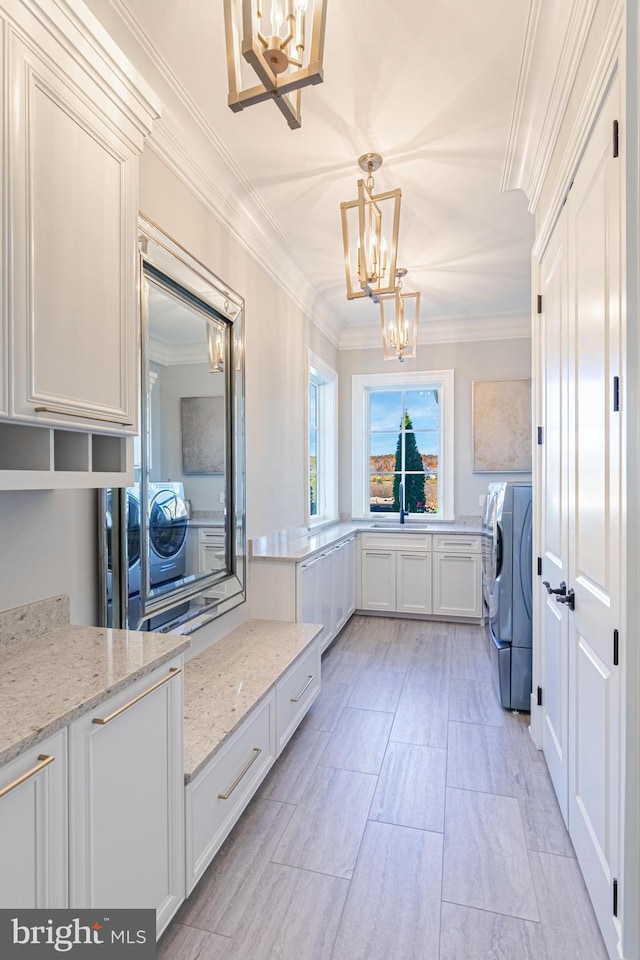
256	753
116	713
44	759
306	686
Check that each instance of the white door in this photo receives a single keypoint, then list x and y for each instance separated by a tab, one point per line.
594	215
553	519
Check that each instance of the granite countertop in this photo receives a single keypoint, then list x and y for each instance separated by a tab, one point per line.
226	680
53	672
206	518
291	546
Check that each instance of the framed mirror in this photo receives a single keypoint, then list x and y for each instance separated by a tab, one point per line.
173	545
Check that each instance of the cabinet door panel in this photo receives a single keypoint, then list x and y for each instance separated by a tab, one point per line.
126	801
33	833
4	327
378	580
413	589
457	585
73	227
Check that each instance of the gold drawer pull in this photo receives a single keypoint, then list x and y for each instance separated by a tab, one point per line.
116	713
44	762
256	753
307	684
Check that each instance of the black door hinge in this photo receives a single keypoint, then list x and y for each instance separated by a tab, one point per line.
539	436
616	394
616	648
539	303
615	897
539	696
616	139
539	566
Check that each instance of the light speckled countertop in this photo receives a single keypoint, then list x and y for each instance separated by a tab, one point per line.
53	672
229	678
290	546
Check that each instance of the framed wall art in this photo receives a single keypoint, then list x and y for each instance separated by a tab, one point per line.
203	434
502	426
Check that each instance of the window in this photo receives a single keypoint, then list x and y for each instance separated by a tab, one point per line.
403	444
322	460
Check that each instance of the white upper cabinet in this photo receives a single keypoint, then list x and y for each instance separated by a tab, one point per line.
76	119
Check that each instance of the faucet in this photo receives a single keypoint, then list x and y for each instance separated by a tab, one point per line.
403	513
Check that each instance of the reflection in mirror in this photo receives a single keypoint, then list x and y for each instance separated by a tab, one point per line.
173	545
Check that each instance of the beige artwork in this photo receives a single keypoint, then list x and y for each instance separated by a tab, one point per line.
502	426
203	434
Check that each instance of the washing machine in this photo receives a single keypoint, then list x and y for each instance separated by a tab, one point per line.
134	518
511	592
167	532
488	551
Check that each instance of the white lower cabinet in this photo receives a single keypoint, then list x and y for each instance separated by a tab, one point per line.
126	799
216	797
33	827
413	582
325	589
457	576
295	692
396	572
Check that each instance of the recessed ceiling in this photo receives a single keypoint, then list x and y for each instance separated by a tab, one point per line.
431	87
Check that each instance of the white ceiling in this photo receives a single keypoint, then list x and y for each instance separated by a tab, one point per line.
429	85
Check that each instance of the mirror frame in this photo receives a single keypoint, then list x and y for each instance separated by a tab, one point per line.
165	263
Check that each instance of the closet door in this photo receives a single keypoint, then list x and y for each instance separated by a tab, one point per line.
553	617
594	218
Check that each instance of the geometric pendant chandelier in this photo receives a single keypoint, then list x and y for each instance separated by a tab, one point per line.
282	41
370	227
399	316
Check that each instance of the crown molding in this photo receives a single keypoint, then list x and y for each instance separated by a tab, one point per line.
250	222
446	330
534	148
600	79
172	354
575	37
521	90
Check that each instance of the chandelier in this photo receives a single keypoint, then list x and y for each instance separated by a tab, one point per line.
282	44
370	236
399	314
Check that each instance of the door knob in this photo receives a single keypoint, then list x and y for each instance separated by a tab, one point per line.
569	599
560	591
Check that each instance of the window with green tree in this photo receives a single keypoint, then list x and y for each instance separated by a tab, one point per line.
403	432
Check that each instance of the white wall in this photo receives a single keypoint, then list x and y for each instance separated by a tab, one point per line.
49	546
478	360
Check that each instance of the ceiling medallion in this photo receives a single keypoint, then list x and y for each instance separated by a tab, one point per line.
283	41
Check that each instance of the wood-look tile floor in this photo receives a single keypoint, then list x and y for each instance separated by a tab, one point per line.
409	818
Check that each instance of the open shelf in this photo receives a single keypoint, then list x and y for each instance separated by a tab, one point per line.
46	458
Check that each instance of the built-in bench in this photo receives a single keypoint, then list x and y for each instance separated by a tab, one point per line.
244	698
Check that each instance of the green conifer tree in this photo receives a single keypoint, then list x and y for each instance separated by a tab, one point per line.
414	494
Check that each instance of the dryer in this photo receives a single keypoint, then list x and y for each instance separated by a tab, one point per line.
511	591
167	532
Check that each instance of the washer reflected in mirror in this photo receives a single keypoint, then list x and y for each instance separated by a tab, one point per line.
173	544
